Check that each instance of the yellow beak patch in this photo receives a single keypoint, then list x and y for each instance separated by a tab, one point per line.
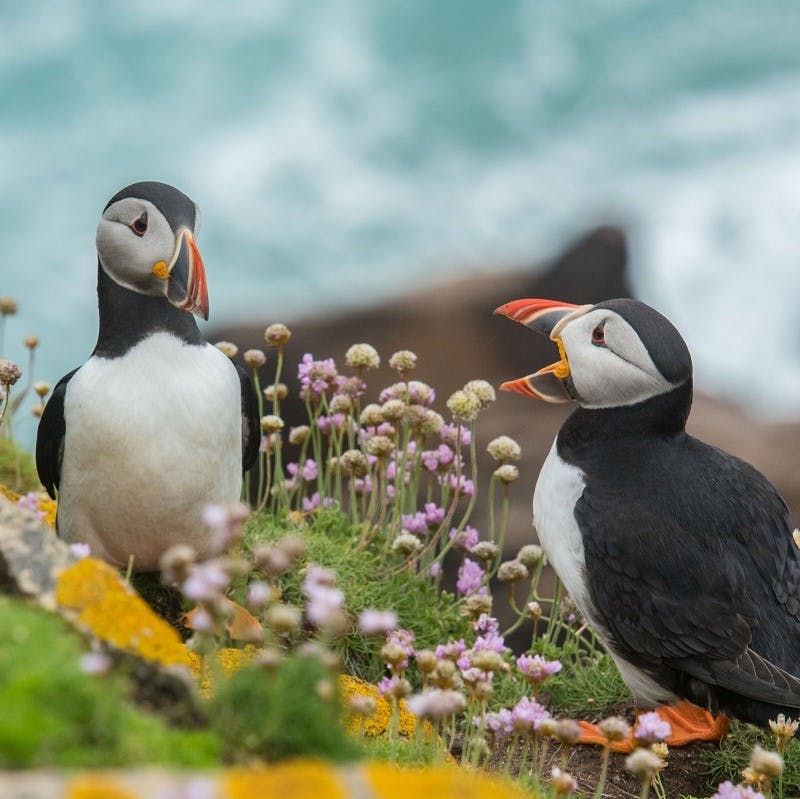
161	270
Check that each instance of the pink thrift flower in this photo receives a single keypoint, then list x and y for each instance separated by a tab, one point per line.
727	790
470	577
452	650
376	622
95	663
433	515
536	669
466	539
500	724
528	715
30	502
258	594
80	550
415	523
435	570
650	728
309	472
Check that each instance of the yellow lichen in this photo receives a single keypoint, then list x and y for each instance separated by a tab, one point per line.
92	594
226	660
378	722
389	781
299	779
91	786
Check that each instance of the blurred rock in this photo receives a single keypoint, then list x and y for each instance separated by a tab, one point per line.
30	555
451	328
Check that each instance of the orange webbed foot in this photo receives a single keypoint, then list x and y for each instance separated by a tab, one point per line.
687	723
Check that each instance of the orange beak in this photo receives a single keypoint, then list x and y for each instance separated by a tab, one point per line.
548	318
186	285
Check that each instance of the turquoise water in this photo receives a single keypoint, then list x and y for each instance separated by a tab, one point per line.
344	151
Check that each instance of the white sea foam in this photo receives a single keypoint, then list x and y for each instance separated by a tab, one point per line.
347	151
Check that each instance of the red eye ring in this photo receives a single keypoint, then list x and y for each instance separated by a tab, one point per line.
139	225
599	335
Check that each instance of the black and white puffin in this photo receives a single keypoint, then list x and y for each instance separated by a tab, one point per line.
680	556
157	423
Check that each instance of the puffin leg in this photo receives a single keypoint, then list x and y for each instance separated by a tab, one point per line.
688	723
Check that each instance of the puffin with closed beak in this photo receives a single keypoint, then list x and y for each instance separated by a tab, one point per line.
157	423
680	556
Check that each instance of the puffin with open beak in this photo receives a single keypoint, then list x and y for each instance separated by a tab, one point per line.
679	555
157	423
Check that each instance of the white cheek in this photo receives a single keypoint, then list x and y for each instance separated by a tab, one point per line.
604	380
129	260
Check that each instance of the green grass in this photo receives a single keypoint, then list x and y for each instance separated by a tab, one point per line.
733	754
17	469
360	574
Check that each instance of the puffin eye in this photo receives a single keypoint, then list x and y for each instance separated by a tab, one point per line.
599	335
139	225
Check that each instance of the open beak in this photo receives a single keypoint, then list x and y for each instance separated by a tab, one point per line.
186	285
547	317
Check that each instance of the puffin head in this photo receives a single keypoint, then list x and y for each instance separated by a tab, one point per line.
616	353
146	243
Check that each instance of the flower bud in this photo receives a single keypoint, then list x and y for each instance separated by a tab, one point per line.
41	388
403	361
380	446
8	306
512	570
464	406
762	761
280	391
297	435
643	763
9	372
507	473
362	356
530	555
283	619
255	359
482	390
227	348
277	335
504	448
426	661
271	424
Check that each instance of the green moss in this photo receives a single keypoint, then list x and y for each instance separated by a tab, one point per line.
291	712
53	714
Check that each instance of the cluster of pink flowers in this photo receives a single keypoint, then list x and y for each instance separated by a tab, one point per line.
471	578
30	502
325	601
465	539
377	622
488	638
650	728
727	790
316	377
525	717
423	521
535	669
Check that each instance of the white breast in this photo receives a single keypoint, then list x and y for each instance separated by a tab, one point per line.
558	488
151	437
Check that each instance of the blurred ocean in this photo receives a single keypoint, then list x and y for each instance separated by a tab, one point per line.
343	151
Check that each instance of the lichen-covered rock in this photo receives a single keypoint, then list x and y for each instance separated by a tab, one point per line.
31	557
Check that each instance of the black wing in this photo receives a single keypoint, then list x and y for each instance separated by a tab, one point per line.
702	583
50	437
251	424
